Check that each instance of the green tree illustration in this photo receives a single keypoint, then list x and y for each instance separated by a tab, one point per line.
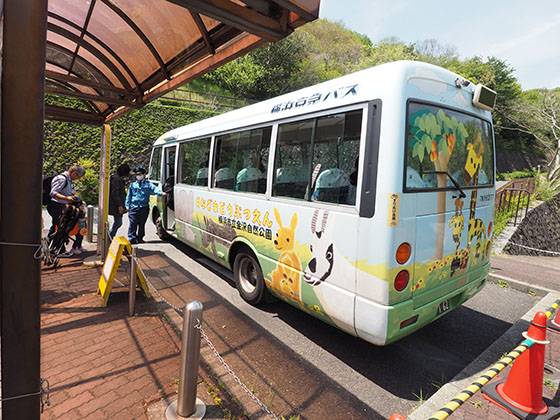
434	136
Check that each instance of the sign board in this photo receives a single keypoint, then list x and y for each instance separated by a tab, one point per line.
111	265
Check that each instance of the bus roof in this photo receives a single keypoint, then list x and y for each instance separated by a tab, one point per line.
379	82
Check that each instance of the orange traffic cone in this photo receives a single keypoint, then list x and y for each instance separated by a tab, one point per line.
554	324
521	392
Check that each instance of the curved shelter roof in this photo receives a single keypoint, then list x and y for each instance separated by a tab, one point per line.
117	55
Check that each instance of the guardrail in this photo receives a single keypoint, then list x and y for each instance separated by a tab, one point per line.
515	197
206	100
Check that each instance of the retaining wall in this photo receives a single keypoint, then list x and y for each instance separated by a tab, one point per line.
540	229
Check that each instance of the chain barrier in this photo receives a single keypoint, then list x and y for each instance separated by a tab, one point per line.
40	247
213	348
156	291
533	249
45	390
235	377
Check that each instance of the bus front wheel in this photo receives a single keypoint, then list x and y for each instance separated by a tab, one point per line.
248	277
160	230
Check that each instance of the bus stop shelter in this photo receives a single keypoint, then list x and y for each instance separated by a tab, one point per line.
113	56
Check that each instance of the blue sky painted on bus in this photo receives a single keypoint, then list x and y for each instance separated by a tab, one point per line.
526	34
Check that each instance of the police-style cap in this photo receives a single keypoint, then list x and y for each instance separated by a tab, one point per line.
139	170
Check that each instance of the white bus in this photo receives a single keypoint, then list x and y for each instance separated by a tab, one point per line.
366	201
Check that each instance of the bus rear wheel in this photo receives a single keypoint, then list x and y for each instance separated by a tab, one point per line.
248	277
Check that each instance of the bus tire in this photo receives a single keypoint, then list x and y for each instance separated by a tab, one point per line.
248	277
163	235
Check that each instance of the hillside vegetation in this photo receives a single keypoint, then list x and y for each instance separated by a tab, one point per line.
316	52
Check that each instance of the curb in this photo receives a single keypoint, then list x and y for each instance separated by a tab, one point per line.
511	338
519	285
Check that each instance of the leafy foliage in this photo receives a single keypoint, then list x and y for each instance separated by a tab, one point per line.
508	176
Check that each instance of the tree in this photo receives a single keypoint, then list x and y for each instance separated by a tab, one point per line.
268	71
314	53
537	113
498	75
431	51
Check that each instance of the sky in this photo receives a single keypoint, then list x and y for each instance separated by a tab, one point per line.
525	34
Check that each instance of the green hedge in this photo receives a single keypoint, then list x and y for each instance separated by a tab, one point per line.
133	135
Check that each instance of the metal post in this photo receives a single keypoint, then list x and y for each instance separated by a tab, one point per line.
132	290
190	355
90	216
24	29
106	241
187	405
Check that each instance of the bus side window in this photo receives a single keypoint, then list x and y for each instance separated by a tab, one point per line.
335	140
292	159
240	160
336	149
193	162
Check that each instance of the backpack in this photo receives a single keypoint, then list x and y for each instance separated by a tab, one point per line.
47	182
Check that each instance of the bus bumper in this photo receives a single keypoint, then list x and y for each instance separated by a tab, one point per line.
382	325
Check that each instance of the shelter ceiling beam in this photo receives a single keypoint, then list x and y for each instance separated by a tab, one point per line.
89	83
140	34
59	113
230	52
306	14
102	44
203	32
238	16
83	31
90	97
196	52
68	53
98	54
64	85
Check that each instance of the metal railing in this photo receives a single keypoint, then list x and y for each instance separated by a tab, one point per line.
206	100
512	199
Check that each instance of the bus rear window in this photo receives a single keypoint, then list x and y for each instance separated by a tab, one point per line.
443	144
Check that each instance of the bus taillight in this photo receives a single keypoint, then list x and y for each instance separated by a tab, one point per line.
403	253
401	281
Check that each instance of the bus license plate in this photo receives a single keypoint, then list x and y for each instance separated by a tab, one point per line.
443	307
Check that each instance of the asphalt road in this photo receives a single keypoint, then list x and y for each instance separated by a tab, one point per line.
388	379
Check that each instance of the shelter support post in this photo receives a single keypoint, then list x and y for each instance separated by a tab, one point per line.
21	163
102	212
